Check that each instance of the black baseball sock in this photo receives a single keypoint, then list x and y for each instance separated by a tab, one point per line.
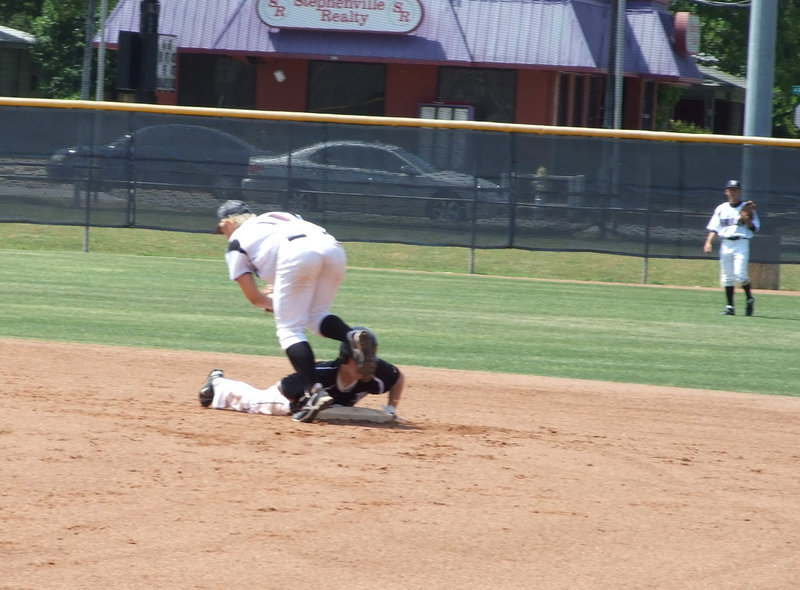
729	295
747	290
332	326
302	358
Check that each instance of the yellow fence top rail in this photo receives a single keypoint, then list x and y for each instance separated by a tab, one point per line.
398	122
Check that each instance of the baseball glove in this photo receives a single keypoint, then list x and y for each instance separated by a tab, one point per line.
746	213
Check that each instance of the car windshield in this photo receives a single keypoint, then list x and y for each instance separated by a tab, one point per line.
120	143
424	166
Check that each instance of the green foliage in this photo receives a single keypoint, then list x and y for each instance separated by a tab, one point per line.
60	39
687	127
783	115
19	14
725	31
668	97
60	30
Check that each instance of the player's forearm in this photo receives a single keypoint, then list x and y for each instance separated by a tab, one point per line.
396	392
261	300
250	289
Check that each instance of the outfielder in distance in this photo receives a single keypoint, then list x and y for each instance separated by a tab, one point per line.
735	223
340	378
302	266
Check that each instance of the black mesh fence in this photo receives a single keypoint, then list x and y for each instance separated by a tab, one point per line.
475	186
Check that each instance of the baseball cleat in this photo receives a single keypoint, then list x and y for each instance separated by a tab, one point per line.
728	310
364	347
318	402
750	303
206	393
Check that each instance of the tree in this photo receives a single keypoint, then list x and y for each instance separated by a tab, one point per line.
20	14
725	32
60	30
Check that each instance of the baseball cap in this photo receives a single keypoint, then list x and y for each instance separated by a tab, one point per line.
229	208
733	184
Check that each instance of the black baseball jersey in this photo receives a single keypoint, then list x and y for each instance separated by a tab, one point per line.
347	394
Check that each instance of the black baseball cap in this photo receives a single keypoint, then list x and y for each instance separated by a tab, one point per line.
229	208
733	184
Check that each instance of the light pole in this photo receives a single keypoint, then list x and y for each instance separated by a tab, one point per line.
760	68
612	113
101	52
86	75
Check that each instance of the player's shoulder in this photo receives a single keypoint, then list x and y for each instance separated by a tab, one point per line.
384	362
386	367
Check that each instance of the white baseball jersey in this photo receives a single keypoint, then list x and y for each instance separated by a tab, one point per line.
734	250
725	222
304	263
254	245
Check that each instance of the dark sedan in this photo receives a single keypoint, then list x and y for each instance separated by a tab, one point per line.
359	176
189	157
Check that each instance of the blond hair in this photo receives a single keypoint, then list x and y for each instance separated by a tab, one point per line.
239	218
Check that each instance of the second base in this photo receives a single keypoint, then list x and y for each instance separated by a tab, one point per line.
353	414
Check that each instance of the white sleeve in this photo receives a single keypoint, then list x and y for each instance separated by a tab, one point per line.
713	223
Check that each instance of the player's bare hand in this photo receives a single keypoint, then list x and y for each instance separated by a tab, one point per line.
392	411
269	307
706	247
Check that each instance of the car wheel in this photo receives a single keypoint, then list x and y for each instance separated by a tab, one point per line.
447	209
297	200
95	186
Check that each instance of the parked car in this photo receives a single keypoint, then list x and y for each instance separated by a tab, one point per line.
172	155
359	175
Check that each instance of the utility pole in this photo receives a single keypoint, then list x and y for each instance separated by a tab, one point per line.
86	75
612	112
760	68
758	99
101	52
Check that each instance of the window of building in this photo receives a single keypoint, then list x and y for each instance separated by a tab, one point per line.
346	88
648	105
491	92
216	81
579	101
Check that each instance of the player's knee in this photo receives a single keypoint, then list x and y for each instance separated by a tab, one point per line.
315	322
289	336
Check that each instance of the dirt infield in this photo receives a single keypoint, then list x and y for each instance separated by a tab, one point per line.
114	477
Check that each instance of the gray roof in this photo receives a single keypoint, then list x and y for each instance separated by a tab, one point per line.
566	35
14	38
722	78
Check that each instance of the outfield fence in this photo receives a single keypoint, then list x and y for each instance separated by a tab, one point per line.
490	185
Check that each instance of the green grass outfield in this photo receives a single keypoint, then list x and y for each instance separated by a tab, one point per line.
437	317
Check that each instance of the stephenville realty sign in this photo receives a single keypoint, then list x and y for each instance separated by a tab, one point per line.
369	16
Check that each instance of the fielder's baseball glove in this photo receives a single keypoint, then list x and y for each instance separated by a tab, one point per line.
746	213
